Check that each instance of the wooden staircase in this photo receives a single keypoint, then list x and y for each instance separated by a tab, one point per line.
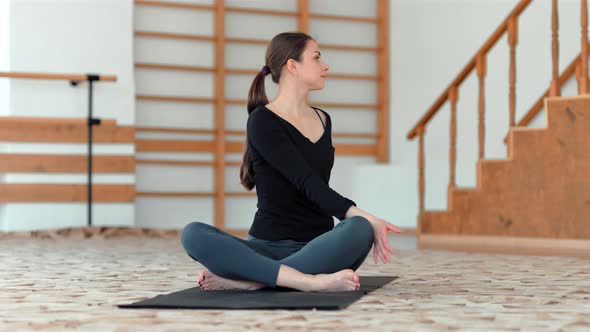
541	190
537	201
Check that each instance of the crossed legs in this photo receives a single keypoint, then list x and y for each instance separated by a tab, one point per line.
326	263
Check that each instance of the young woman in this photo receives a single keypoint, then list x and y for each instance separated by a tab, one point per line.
288	157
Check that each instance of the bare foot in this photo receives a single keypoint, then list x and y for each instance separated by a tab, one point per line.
344	280
210	281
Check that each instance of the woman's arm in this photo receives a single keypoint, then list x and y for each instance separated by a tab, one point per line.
354	211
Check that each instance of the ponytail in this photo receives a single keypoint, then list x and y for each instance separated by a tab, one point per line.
256	97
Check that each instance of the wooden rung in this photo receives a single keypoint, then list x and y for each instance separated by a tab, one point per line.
351	48
162	66
374	107
48	163
246	41
318	104
192	194
240	194
168	35
152	145
168	4
175	99
260	11
249	41
344	18
184	162
26	192
238	71
174	162
356	149
182	5
174	130
48	130
353	76
174	194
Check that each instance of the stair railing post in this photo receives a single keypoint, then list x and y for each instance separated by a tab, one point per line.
481	74
583	81
512	40
453	97
555	89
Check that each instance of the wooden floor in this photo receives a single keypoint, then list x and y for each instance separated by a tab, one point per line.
75	283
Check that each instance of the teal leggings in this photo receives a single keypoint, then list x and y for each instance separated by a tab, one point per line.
344	247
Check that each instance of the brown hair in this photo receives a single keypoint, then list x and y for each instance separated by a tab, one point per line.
284	46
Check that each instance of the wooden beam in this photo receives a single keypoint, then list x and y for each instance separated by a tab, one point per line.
61	130
102	193
49	163
54	76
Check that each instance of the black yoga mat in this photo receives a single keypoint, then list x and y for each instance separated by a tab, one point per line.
195	298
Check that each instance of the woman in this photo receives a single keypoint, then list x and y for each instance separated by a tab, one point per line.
288	157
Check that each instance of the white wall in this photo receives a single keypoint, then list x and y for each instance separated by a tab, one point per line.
4	66
4	55
431	42
64	36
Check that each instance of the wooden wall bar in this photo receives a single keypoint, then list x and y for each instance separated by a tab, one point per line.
218	144
383	60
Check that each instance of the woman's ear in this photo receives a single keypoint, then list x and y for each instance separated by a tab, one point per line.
292	66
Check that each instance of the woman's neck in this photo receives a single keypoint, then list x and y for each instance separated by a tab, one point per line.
293	104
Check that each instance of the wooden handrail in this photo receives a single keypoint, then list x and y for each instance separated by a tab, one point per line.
52	76
491	42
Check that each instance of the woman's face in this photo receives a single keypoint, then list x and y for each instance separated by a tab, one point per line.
313	70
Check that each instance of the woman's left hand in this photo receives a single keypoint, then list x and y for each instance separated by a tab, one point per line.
381	246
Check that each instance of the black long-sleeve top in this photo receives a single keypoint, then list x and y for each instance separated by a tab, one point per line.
291	175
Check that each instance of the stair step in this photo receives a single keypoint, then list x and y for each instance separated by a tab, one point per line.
525	143
438	222
492	172
542	190
459	199
568	115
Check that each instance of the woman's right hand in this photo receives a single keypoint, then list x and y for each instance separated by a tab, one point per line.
381	246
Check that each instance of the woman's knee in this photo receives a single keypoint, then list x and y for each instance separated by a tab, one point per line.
194	237
361	228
